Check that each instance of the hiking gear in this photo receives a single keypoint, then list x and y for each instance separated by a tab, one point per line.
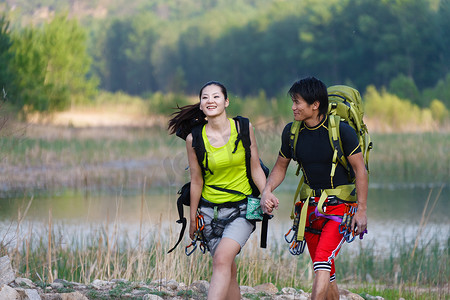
297	246
322	236
183	199
238	228
243	130
345	226
198	236
226	168
345	104
254	210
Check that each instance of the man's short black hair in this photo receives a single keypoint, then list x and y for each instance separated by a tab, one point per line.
311	89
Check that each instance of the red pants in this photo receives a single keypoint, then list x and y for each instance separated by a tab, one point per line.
324	247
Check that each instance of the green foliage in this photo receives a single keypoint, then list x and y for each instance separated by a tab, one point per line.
440	91
439	111
253	47
394	113
51	65
405	88
6	76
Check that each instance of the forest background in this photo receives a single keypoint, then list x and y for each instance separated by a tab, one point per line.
59	55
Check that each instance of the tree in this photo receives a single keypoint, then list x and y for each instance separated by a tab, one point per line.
64	43
51	65
405	88
6	56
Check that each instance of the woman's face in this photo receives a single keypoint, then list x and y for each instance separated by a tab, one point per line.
212	101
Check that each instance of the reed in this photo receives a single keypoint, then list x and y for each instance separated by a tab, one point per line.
102	159
46	251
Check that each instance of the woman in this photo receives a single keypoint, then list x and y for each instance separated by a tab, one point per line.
226	229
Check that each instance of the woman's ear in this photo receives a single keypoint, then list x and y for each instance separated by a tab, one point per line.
227	102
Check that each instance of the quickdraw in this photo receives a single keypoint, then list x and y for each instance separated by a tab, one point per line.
297	246
345	228
198	236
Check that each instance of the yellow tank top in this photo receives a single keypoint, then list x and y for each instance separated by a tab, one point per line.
228	169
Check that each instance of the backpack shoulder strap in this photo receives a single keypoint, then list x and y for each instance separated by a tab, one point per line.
336	143
199	146
243	130
295	129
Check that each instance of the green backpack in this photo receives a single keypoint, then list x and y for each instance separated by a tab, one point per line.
344	104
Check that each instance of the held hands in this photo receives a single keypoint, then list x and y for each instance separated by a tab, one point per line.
269	202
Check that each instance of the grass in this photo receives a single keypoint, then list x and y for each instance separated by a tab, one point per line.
45	251
98	158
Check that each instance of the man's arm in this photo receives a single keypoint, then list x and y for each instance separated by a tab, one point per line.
276	177
360	218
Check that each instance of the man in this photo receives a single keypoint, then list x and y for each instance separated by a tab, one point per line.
315	155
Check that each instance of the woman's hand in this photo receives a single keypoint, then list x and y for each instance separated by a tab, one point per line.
192	228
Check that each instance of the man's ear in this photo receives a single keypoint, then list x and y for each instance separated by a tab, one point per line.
316	104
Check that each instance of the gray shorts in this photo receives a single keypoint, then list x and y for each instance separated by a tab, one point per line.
239	229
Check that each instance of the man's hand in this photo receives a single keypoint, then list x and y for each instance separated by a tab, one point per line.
359	221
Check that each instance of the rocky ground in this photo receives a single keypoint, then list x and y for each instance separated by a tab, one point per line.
14	288
24	289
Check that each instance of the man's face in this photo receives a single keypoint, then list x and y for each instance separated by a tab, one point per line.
301	109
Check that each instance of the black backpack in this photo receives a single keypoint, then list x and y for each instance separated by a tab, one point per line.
243	128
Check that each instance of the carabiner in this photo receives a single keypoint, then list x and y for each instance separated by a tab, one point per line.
342	229
192	244
350	234
297	247
286	236
200	222
203	247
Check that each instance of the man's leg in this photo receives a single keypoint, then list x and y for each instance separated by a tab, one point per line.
223	286
320	285
333	291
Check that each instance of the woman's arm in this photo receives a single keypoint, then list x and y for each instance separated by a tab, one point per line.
258	176
196	184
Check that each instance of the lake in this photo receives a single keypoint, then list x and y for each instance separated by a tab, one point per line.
394	212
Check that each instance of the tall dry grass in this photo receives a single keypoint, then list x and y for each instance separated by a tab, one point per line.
44	251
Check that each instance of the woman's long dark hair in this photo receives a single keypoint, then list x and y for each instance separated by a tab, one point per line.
185	119
189	116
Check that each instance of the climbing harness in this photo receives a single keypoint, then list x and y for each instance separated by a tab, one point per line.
198	236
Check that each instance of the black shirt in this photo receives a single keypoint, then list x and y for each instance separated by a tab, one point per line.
315	153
